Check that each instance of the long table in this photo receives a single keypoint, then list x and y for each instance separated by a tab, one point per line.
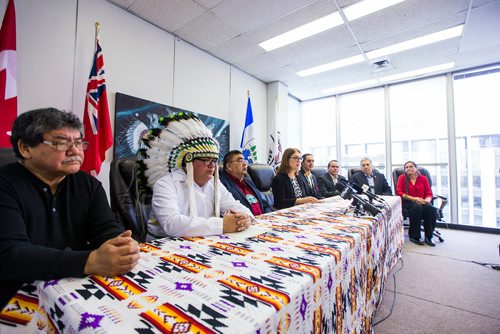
307	269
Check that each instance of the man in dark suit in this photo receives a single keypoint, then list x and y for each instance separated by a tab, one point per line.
234	178
328	181
375	181
308	177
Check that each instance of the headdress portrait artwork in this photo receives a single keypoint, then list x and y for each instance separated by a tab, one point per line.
180	139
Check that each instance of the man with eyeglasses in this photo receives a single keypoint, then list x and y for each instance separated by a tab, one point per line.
56	220
189	200
234	178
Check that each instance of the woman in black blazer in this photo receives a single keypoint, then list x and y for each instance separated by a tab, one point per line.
288	188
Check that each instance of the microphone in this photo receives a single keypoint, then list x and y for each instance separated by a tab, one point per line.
364	191
348	192
367	192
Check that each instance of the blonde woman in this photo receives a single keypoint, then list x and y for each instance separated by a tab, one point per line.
288	188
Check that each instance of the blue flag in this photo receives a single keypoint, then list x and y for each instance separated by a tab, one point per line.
248	145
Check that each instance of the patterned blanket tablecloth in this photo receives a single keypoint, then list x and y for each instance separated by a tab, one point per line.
306	269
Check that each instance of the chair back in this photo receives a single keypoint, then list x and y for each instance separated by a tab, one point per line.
355	170
7	156
319	171
131	210
352	171
262	175
400	171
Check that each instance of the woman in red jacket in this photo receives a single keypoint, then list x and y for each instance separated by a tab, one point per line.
416	194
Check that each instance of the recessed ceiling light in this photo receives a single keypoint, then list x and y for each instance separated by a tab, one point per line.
352	86
304	31
416	73
367	7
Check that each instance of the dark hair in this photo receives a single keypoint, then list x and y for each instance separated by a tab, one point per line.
284	166
229	156
331	162
407	179
29	127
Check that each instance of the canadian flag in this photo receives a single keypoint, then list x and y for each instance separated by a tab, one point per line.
8	87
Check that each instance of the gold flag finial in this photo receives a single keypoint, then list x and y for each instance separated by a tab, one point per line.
97	26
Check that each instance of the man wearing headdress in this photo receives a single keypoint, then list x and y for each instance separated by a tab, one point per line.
188	198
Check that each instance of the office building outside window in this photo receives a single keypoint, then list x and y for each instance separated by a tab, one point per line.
319	130
477	106
419	129
362	128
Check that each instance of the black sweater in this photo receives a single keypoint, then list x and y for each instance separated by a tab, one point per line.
45	236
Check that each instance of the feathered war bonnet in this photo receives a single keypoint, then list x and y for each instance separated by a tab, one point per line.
180	139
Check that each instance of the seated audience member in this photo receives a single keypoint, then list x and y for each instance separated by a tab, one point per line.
416	194
308	177
374	180
328	181
56	220
234	178
288	188
179	164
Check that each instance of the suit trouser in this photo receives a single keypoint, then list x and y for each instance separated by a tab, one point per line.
417	213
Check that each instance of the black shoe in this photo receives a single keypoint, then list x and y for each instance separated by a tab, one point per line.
429	242
416	241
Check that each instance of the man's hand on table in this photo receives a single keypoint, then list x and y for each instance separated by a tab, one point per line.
116	256
235	221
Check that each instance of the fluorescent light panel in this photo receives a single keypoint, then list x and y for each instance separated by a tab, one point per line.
304	31
406	75
407	45
350	86
417	42
333	20
367	7
333	65
419	72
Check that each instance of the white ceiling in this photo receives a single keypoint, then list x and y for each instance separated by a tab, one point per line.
232	29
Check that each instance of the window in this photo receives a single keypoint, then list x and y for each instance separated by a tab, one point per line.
477	103
362	128
319	130
418	129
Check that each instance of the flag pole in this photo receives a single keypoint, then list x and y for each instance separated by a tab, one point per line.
97	27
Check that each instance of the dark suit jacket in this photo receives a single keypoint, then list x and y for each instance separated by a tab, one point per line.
326	186
314	192
284	197
240	196
381	186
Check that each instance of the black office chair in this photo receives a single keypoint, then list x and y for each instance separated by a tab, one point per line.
262	175
7	156
355	170
319	171
132	208
439	210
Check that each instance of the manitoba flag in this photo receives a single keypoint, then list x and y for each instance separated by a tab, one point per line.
97	128
8	87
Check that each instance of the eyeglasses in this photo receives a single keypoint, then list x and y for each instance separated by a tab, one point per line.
208	162
239	160
296	158
66	145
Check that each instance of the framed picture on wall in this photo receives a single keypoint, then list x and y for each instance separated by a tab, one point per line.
135	116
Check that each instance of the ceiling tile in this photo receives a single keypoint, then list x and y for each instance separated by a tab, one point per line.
206	31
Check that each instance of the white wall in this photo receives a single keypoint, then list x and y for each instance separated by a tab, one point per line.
55	42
